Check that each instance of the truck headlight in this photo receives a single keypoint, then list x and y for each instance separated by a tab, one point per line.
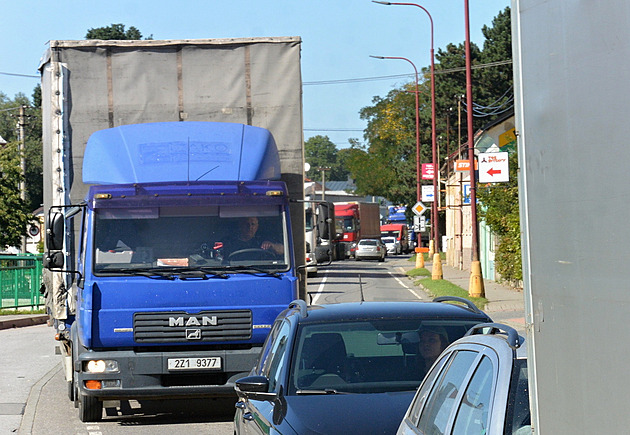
101	366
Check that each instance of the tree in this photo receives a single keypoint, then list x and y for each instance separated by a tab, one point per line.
9	109
14	213
386	166
114	31
319	152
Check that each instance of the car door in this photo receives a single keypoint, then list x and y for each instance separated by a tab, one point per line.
258	415
460	399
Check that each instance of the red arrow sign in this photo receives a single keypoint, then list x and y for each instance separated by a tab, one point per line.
493	171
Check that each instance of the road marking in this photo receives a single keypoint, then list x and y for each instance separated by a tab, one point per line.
411	290
320	289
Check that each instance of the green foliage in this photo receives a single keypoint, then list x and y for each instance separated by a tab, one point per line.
500	210
14	213
9	111
320	152
114	31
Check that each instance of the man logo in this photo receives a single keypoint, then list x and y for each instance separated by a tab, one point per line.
193	321
193	334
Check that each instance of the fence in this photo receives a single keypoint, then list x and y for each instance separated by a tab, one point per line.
20	280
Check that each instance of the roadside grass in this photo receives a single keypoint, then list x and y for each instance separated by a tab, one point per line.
13	312
441	287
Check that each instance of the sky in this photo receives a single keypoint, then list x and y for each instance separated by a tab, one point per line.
338	37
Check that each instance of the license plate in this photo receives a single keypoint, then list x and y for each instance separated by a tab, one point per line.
212	363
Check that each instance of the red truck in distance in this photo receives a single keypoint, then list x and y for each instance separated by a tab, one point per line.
359	220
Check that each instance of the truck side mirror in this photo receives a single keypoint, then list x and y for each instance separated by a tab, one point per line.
53	260
55	228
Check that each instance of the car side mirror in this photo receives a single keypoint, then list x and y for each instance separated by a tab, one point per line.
254	387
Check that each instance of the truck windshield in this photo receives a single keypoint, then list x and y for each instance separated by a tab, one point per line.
348	224
216	237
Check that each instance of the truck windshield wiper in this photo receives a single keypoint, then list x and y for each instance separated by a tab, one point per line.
148	272
252	270
170	273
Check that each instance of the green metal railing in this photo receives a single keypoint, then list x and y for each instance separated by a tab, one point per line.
20	279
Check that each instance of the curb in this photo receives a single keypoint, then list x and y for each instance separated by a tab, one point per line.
8	322
28	418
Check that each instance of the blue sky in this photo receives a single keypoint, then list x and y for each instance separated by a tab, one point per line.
338	36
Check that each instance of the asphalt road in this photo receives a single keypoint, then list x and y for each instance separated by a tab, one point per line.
33	396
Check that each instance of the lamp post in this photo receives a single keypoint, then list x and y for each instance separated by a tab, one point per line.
475	286
418	188
434	212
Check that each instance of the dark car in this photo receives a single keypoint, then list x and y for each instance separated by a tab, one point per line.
478	386
346	368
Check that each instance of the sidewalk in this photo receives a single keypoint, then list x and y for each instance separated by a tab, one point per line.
501	297
21	320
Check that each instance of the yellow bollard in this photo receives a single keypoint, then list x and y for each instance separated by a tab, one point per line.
419	259
437	267
431	248
475	287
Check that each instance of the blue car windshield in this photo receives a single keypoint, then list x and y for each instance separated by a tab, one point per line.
212	237
368	356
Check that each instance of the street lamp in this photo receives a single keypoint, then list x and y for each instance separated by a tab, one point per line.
434	211
418	188
475	286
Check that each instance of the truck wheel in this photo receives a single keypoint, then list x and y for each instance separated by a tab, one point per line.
90	408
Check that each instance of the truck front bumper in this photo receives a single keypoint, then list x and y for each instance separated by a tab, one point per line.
146	374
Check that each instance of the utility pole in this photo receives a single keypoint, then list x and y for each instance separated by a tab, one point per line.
323	169
22	153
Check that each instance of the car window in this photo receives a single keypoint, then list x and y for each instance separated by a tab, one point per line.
518	419
442	398
269	341
272	368
422	394
367	356
474	410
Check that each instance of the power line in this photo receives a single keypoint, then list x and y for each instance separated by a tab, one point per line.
398	76
332	129
342	81
19	75
355	80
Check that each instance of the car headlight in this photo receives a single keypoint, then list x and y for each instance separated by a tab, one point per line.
101	366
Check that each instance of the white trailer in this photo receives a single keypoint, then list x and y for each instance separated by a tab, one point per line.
571	63
91	85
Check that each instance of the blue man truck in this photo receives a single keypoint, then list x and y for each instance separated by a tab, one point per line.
150	284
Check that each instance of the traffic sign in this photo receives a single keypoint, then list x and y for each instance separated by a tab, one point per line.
493	168
419	208
427	193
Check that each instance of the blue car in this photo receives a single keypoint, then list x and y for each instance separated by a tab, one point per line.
348	367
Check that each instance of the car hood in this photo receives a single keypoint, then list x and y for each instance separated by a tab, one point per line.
376	413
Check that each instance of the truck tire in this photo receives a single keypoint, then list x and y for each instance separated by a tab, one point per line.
90	409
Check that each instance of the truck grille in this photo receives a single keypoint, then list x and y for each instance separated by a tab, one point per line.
182	327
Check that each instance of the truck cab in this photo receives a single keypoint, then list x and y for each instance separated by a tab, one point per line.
172	299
